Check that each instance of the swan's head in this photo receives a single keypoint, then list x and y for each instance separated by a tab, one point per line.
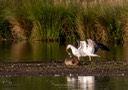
68	47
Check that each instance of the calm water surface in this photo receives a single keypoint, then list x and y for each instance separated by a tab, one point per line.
40	51
64	83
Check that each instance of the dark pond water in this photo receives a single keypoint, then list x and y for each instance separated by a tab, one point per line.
64	83
41	51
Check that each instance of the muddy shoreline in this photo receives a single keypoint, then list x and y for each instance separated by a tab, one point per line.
58	68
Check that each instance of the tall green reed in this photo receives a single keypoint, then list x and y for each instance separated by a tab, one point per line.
52	22
68	20
4	24
102	21
110	17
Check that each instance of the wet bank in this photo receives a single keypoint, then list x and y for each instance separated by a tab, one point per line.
58	68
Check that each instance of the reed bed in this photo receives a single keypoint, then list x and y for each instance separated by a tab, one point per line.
64	20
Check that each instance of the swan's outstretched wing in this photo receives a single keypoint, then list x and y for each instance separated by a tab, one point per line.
91	46
95	46
103	47
82	47
100	46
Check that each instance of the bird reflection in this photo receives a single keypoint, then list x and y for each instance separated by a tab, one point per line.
81	82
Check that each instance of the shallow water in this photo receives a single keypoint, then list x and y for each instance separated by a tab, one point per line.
64	83
31	51
41	51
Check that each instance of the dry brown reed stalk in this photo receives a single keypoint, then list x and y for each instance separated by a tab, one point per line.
80	28
125	28
99	32
16	29
36	31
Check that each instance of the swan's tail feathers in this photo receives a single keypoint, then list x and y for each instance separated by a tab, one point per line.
94	55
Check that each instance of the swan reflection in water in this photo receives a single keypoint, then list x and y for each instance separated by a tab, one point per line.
81	82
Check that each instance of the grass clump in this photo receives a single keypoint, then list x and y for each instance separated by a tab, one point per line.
104	22
67	20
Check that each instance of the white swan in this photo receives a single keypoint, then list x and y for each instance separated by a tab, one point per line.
88	48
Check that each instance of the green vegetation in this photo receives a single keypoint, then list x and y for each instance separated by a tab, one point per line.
66	20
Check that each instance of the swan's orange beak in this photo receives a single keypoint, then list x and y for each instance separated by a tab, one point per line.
67	48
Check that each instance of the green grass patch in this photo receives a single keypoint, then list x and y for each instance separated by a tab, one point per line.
67	20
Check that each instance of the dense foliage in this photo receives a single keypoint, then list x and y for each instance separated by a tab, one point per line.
64	20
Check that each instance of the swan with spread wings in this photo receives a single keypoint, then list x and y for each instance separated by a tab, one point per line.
86	48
